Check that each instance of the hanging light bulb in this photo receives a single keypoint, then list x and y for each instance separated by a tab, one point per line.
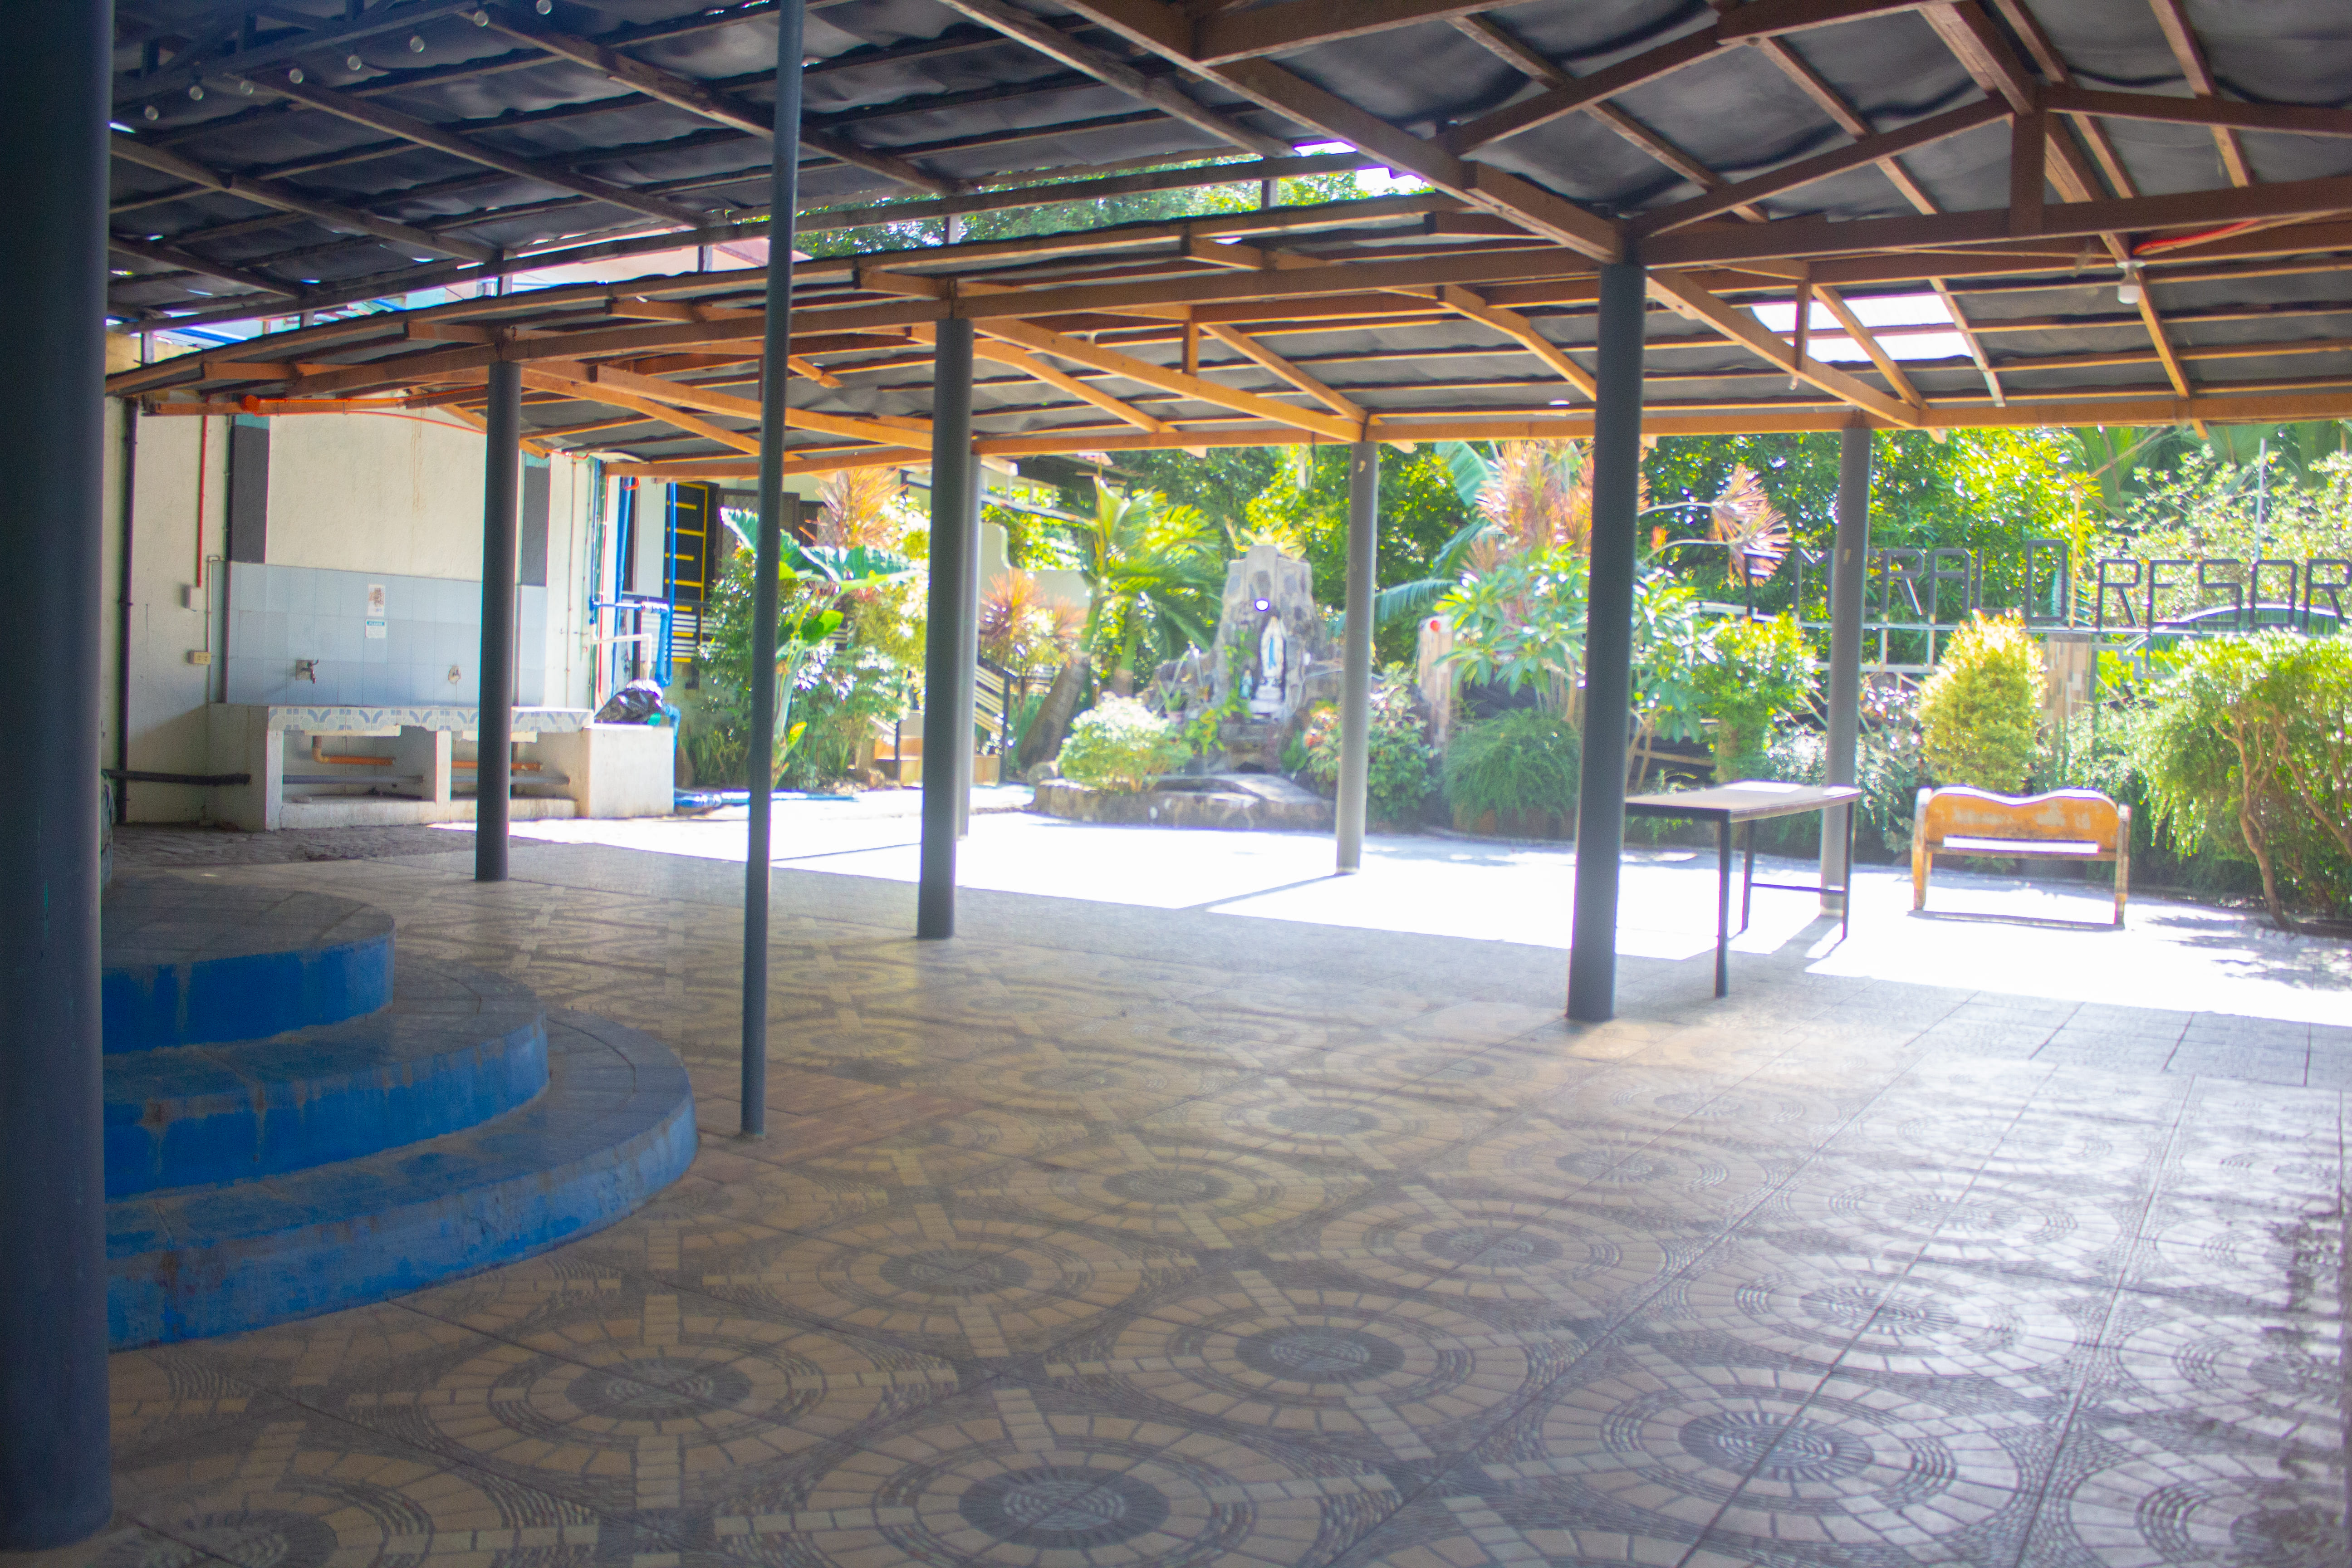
544	6
295	76
353	62
415	44
152	112
2127	291
243	88
195	93
481	18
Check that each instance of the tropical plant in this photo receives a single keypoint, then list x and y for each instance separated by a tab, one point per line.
1121	746
816	583
1156	574
2249	744
1397	776
1980	711
1518	764
1750	528
1518	621
1749	674
1022	628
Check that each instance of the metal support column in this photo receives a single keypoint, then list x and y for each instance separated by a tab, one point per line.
968	652
1608	643
494	721
1356	661
1848	559
767	556
953	467
55	1472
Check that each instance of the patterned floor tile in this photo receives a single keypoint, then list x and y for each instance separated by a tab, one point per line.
1501	1251
1474	1531
972	1288
1378	1378
1771	1458
2150	1506
1023	1476
1701	1179
1198	1195
1355	1129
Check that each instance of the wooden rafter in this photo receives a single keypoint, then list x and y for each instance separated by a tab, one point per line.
1112	71
1741	326
1029	365
1167	31
284	198
2181	39
1867	341
1242	343
1199	389
424	133
1820	166
702	99
652	408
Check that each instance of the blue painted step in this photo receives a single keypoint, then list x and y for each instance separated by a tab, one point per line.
615	1126
456	1046
190	961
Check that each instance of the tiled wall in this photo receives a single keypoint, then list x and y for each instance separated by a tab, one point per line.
281	613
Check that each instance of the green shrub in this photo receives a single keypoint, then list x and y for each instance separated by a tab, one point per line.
1122	746
1980	711
1750	673
1398	781
1524	762
2249	746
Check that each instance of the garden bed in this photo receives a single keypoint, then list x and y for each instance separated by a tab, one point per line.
1233	802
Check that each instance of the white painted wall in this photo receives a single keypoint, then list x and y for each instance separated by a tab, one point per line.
380	497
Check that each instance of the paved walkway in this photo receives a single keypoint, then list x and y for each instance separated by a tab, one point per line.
1247	1220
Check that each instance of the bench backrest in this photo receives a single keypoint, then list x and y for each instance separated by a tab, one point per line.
2074	815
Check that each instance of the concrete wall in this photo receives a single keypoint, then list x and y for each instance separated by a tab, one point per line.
353	499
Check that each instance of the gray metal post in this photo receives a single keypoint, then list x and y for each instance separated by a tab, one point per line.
1608	643
767	556
1356	661
494	723
968	651
54	1476
952	466
1848	557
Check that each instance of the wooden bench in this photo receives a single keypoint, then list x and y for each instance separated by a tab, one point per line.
2064	824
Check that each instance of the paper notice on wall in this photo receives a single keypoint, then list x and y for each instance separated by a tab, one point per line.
375	628
375	603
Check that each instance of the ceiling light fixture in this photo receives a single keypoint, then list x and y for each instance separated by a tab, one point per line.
295	76
353	62
243	88
2127	291
415	44
195	93
544	6
152	112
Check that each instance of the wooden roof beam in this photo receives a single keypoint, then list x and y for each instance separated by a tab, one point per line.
1868	342
1167	31
1038	370
424	133
703	100
219	271
1199	389
1685	297
1112	71
1826	165
2181	39
284	198
1242	343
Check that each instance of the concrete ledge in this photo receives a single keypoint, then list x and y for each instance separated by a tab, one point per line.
1261	802
615	1126
457	1048
189	963
376	811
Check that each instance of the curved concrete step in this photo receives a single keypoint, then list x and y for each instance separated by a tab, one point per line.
457	1046
615	1126
192	963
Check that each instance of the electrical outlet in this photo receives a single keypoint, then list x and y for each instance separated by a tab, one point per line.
200	656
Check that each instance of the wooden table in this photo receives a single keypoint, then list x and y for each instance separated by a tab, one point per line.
1746	804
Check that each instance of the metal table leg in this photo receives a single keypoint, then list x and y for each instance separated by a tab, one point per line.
1723	908
1747	876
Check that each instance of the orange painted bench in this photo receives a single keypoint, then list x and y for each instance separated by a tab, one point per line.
2064	824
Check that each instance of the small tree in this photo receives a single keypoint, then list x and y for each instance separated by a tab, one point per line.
1750	673
1980	711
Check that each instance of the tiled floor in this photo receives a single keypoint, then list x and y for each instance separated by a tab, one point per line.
1105	1236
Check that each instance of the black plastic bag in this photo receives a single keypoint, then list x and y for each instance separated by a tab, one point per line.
638	702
